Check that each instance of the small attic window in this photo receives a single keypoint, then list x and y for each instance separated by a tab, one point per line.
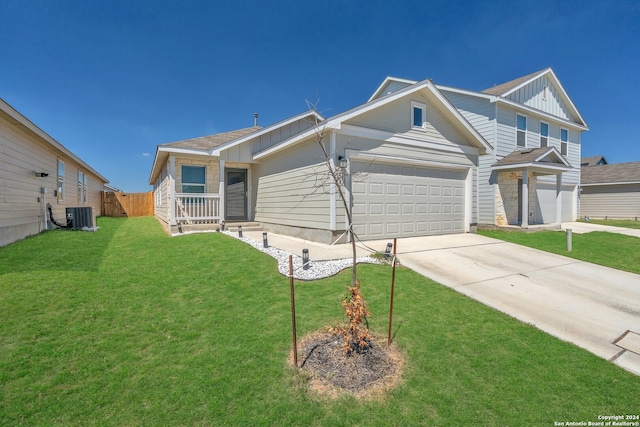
418	115
544	93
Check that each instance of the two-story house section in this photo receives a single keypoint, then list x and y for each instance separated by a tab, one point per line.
532	173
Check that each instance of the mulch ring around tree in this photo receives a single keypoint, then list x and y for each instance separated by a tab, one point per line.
331	372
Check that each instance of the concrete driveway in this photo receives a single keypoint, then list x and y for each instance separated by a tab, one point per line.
594	307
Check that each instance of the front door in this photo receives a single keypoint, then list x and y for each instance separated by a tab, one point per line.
236	194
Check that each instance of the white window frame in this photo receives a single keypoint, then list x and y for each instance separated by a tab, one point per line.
415	105
564	142
545	90
522	132
544	138
61	168
85	188
193	184
80	183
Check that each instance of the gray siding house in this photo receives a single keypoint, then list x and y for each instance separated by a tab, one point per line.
609	190
417	159
36	171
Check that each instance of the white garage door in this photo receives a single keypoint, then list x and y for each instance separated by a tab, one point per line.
546	203
391	200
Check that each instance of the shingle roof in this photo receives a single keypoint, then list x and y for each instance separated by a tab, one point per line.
208	142
523	157
503	88
592	161
615	173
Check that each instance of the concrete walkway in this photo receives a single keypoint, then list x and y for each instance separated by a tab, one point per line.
594	307
587	227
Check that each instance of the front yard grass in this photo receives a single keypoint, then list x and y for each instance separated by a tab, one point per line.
127	326
613	250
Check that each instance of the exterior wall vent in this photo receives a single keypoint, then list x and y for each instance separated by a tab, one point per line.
80	217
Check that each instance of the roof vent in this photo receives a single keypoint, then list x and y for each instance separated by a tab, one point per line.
526	151
255	119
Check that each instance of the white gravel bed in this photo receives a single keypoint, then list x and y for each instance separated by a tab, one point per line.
316	269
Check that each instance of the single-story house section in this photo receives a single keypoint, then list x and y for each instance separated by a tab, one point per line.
610	190
409	161
37	171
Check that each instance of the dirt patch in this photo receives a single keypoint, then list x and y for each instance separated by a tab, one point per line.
332	372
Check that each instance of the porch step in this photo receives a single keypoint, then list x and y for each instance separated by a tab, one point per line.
246	226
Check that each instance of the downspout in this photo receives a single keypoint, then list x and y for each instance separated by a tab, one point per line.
221	192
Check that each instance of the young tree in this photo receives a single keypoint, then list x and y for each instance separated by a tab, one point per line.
356	334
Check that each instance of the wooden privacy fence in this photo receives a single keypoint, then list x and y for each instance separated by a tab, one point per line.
120	204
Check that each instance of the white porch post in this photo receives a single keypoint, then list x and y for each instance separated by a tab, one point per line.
559	198
525	199
332	183
172	190
221	190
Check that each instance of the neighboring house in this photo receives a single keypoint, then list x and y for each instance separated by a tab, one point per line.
36	170
593	161
419	158
609	190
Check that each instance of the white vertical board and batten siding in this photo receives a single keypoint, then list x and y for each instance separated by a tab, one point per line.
279	134
532	95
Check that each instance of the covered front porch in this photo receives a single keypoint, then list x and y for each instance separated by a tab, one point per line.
516	176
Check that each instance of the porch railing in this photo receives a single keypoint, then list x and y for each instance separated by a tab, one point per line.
197	208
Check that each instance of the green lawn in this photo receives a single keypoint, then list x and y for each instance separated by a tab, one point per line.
609	249
127	326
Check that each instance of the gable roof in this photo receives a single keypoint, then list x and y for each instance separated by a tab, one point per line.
543	159
618	173
505	89
437	97
24	124
211	145
393	83
206	143
593	161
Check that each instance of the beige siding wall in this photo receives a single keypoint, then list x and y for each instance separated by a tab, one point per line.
22	204
291	188
613	201
396	117
161	195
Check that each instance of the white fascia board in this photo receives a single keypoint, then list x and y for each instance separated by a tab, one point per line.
385	82
359	155
610	183
215	151
39	133
381	135
184	151
539	166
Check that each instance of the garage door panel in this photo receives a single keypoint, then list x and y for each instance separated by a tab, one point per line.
402	201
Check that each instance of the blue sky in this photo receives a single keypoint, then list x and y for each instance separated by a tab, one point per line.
111	80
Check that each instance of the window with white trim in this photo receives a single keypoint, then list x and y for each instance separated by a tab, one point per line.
544	134
193	179
85	193
60	190
80	186
521	130
564	142
418	115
